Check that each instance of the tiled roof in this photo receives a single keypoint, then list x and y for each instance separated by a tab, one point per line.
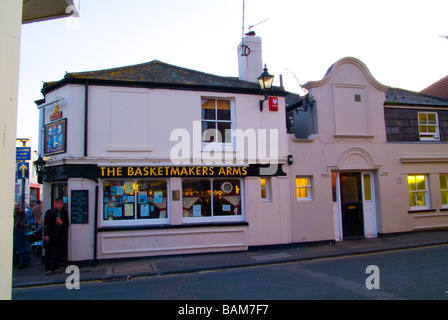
395	96
439	88
159	74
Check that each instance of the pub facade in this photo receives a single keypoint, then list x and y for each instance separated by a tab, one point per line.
154	159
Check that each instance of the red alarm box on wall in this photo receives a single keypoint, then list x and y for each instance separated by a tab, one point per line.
273	104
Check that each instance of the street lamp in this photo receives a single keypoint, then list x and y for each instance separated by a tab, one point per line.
265	80
39	164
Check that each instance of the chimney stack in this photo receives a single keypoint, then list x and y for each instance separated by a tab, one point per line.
250	61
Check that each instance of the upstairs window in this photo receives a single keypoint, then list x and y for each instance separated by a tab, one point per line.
428	126
216	120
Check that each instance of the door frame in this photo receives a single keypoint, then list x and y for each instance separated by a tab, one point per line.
368	204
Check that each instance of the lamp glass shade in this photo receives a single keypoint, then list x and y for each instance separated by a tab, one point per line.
265	79
39	164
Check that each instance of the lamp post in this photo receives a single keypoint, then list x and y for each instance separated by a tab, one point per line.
265	80
39	164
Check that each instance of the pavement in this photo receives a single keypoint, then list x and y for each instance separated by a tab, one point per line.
126	269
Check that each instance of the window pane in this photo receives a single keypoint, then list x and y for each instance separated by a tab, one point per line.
196	198
226	197
367	189
412	200
301	182
423	129
432	119
422	118
421	199
412	183
333	186
208	131
151	199
263	182
224	132
223	110
444	181
302	193
263	194
445	198
208	109
421	185
118	199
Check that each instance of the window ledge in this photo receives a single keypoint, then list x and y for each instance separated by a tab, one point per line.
180	226
129	149
426	158
422	210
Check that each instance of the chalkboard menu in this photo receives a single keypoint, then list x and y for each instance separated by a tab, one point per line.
80	206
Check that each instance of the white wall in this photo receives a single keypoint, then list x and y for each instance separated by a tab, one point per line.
10	24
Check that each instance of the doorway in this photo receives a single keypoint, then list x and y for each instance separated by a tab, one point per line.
352	211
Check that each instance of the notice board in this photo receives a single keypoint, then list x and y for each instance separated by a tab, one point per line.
79	206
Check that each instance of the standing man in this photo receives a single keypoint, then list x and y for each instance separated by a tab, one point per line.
36	213
20	238
56	225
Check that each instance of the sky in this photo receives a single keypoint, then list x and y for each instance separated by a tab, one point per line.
398	40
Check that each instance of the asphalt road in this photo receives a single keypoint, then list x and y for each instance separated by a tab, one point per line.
403	274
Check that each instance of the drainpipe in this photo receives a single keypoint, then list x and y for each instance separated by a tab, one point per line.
95	229
86	109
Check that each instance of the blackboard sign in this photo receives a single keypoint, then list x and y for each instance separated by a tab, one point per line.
80	206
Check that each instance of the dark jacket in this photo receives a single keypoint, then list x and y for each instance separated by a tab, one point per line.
51	229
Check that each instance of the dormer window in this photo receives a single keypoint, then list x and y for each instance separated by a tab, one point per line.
428	126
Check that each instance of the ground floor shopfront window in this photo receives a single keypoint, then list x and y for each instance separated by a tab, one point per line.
207	200
135	201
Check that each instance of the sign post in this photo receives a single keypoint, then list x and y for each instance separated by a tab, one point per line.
23	154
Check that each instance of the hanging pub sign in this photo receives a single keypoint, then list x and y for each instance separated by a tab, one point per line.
55	137
183	171
56	114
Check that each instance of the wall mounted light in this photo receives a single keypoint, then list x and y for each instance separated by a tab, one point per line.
39	164
265	80
290	162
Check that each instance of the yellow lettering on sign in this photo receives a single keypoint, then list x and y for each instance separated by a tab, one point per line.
110	171
130	171
138	171
175	171
236	171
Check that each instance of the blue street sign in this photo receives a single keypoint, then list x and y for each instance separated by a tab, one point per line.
23	153
23	170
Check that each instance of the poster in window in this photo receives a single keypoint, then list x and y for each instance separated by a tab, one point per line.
55	137
158	197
